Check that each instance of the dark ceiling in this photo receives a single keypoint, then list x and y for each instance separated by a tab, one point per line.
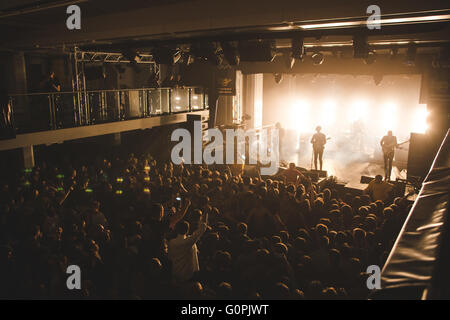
105	24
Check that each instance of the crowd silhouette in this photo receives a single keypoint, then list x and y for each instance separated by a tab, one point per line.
145	229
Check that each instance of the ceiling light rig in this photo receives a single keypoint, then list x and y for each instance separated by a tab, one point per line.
278	77
230	53
393	53
317	58
166	55
371	57
298	48
257	50
207	51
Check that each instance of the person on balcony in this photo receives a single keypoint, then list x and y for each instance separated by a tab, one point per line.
52	85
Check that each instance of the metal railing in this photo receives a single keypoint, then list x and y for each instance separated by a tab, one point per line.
56	110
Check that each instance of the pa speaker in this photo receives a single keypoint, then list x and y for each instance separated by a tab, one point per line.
314	176
420	155
320	173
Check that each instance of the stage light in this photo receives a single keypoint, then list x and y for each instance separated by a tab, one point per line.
328	112
298	48
289	61
371	58
278	77
166	55
131	55
207	51
420	119
389	116
360	46
187	58
230	53
300	119
358	110
177	56
393	53
317	58
257	50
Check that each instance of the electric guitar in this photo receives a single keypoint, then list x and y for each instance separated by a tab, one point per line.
390	147
319	146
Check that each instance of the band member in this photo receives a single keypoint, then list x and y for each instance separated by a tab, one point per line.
318	141
388	144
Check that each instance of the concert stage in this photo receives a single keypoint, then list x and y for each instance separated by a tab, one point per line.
348	172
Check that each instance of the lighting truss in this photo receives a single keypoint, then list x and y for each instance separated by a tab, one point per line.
111	57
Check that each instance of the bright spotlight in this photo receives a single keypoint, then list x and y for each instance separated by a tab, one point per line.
420	119
358	110
329	111
300	119
317	58
389	116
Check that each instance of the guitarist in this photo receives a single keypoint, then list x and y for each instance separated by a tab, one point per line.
318	141
388	144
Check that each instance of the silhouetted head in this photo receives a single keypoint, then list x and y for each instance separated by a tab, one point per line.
182	227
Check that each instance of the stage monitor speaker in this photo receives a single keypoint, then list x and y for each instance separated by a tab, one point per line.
320	173
313	175
420	156
366	179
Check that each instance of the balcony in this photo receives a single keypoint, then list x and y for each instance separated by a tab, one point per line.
37	112
47	118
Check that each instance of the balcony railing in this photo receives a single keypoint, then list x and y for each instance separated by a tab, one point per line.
56	110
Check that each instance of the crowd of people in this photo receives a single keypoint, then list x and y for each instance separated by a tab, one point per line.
143	229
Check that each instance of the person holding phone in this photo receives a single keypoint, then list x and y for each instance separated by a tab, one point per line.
183	251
